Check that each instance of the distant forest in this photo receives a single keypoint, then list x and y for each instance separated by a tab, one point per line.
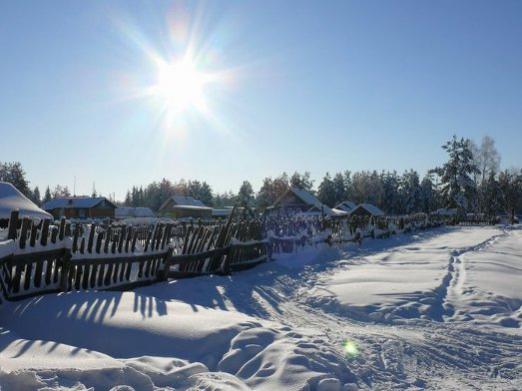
470	180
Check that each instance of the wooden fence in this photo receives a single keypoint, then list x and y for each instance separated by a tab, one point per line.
47	257
43	258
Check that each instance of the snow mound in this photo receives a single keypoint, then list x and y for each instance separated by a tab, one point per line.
109	339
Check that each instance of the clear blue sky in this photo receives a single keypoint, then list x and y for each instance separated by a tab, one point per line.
317	86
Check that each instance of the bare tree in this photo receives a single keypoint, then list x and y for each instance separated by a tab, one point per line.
487	159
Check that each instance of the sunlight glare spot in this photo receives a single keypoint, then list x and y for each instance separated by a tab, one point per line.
350	348
180	85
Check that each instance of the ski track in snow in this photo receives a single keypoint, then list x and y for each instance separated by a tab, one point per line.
426	341
430	350
453	282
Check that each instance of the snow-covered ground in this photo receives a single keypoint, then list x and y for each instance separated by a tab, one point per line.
439	309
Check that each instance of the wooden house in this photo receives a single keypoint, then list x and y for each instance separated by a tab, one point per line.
346	206
366	210
221	213
179	206
296	200
129	212
80	208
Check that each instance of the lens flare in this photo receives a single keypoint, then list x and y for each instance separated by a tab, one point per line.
350	349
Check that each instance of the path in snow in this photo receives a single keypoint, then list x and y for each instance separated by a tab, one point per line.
487	281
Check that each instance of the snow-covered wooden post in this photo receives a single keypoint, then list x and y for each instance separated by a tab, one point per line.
13	225
61	232
163	275
66	270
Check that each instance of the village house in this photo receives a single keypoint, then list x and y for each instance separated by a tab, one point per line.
221	213
296	200
180	206
346	206
80	207
128	212
367	210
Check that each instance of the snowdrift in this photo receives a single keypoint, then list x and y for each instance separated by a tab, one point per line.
104	339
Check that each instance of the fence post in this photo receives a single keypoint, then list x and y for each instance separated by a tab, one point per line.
66	269
270	248
61	232
13	225
45	233
164	274
226	262
23	231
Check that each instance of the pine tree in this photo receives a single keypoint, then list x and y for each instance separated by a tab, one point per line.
491	195
266	195
245	196
205	194
339	188
302	181
47	195
348	185
36	196
128	198
428	201
15	174
272	189
510	184
326	191
410	189
390	192
458	188
224	199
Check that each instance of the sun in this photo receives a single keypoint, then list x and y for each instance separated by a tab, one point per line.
183	81
180	86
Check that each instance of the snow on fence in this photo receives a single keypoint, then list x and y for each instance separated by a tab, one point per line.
43	258
345	229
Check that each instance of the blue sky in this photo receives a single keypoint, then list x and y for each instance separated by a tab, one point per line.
316	86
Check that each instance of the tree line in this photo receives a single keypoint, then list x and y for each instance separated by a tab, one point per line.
470	181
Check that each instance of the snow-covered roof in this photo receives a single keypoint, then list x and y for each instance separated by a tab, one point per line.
129	211
347	206
309	199
74	202
370	208
186	200
191	207
11	199
339	212
224	212
181	200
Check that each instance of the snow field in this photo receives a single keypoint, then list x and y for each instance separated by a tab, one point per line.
412	312
414	280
